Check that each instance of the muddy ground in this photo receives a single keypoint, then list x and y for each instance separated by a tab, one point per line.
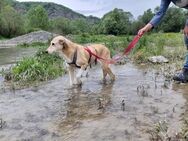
125	110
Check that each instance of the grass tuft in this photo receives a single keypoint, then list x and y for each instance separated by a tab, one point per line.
41	67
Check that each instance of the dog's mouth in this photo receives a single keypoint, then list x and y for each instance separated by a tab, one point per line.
49	51
45	52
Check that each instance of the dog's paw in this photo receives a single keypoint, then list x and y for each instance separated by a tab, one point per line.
78	82
113	78
85	75
103	81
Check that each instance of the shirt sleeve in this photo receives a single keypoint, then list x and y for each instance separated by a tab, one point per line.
186	22
159	15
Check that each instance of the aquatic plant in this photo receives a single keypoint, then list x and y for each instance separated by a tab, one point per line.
41	67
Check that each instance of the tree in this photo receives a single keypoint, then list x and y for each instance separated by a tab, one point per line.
63	26
82	26
2	4
147	16
116	22
135	26
11	23
141	21
173	21
38	18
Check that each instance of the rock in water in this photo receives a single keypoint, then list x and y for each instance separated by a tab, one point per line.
158	59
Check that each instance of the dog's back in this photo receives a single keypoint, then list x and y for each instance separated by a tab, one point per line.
101	50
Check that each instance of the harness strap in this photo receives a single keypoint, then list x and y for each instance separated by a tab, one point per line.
74	60
90	55
89	58
98	57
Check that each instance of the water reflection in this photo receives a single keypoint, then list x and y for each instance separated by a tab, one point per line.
12	55
183	89
84	104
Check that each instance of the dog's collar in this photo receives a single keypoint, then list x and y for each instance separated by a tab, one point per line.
74	60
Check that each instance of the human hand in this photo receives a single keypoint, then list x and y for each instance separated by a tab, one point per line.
146	28
186	30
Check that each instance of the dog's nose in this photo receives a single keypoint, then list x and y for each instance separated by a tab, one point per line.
46	52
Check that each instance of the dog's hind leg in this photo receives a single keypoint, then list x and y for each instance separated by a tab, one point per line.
112	76
105	65
104	73
108	71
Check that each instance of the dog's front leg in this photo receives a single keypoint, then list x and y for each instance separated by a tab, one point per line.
79	75
86	73
71	74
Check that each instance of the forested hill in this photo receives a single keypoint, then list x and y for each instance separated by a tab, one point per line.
53	10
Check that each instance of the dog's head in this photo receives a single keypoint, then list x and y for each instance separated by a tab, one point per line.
58	44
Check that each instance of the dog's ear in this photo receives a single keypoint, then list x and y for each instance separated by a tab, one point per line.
63	43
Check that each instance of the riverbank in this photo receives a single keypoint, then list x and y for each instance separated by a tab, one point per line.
33	37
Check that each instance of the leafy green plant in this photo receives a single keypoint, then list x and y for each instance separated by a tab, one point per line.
41	67
38	17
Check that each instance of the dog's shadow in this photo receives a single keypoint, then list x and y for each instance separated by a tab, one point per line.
85	104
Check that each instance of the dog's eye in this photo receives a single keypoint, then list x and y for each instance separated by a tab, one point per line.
53	44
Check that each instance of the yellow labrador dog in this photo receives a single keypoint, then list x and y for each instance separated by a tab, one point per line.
76	56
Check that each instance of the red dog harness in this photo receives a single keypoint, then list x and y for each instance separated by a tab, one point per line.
109	61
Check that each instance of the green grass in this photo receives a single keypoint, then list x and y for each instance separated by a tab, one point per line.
2	38
170	45
42	67
33	45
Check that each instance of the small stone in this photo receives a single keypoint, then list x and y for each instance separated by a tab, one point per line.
158	59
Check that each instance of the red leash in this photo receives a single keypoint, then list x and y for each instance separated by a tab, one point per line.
132	44
126	51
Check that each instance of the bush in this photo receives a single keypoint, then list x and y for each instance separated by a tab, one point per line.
11	23
38	18
41	67
62	26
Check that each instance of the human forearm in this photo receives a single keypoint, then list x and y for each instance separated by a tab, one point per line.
146	28
186	28
186	23
157	18
159	15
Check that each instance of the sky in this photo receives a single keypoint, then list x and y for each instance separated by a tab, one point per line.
100	7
